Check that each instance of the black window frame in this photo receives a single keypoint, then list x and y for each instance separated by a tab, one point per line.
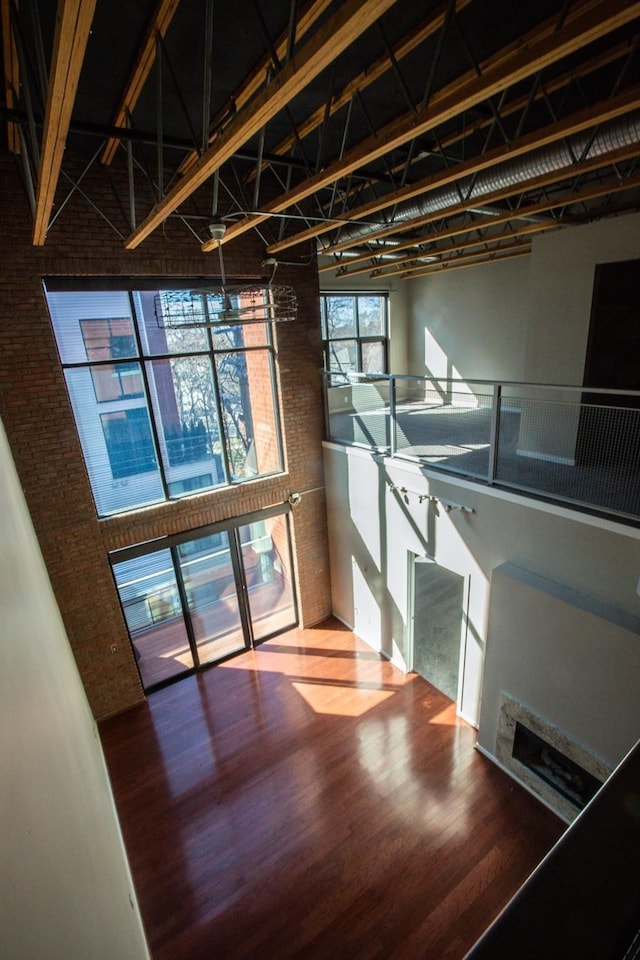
358	338
144	358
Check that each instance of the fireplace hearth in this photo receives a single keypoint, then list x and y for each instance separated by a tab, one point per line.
545	760
568	778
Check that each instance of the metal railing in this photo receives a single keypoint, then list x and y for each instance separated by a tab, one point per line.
569	444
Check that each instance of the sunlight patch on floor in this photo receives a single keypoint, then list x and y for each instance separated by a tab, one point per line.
338	701
446	717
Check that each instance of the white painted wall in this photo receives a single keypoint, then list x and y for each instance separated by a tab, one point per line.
373	531
561	288
571	659
65	886
525	319
470	323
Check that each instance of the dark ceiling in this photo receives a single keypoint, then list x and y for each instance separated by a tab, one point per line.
394	137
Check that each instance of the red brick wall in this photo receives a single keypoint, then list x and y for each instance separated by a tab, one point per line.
264	428
39	422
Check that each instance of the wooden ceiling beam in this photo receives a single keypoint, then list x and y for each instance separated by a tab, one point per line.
569	126
257	77
592	20
513	106
73	23
462	257
552	85
543	31
471	261
544	180
591	192
409	43
331	39
373	72
395	267
583	120
432	238
157	27
11	73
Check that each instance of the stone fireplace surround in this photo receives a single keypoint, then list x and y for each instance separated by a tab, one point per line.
512	712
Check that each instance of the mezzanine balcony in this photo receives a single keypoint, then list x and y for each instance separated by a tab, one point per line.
571	445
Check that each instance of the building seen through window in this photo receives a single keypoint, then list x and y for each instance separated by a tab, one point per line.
161	411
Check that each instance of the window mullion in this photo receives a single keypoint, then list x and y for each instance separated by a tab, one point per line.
186	609
221	424
150	408
275	399
356	317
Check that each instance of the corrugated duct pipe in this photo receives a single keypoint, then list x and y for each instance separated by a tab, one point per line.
623	132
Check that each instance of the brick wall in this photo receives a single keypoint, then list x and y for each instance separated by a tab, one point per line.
39	422
259	376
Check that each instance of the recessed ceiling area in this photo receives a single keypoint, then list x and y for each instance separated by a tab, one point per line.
392	138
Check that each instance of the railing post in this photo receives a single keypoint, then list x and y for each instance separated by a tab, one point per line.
495	431
392	416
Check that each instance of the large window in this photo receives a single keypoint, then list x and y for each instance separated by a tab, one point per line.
198	597
164	411
354	331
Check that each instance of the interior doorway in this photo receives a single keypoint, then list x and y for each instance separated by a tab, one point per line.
611	362
438	625
198	598
614	329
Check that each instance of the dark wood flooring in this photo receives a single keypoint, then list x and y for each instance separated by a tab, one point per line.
307	799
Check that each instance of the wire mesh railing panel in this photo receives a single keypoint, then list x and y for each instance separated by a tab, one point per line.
358	413
447	428
578	452
565	444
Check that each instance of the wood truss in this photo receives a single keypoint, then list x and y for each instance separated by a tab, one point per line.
73	23
157	28
376	154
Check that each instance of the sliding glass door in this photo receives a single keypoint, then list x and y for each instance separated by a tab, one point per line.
213	600
150	600
269	590
205	596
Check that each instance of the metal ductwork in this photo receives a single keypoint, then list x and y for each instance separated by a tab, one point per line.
624	132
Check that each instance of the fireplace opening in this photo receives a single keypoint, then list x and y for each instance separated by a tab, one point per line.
572	781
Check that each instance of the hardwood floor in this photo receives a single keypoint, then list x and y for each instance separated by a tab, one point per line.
307	799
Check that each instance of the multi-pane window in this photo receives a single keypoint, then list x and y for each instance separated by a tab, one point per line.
164	411
355	331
